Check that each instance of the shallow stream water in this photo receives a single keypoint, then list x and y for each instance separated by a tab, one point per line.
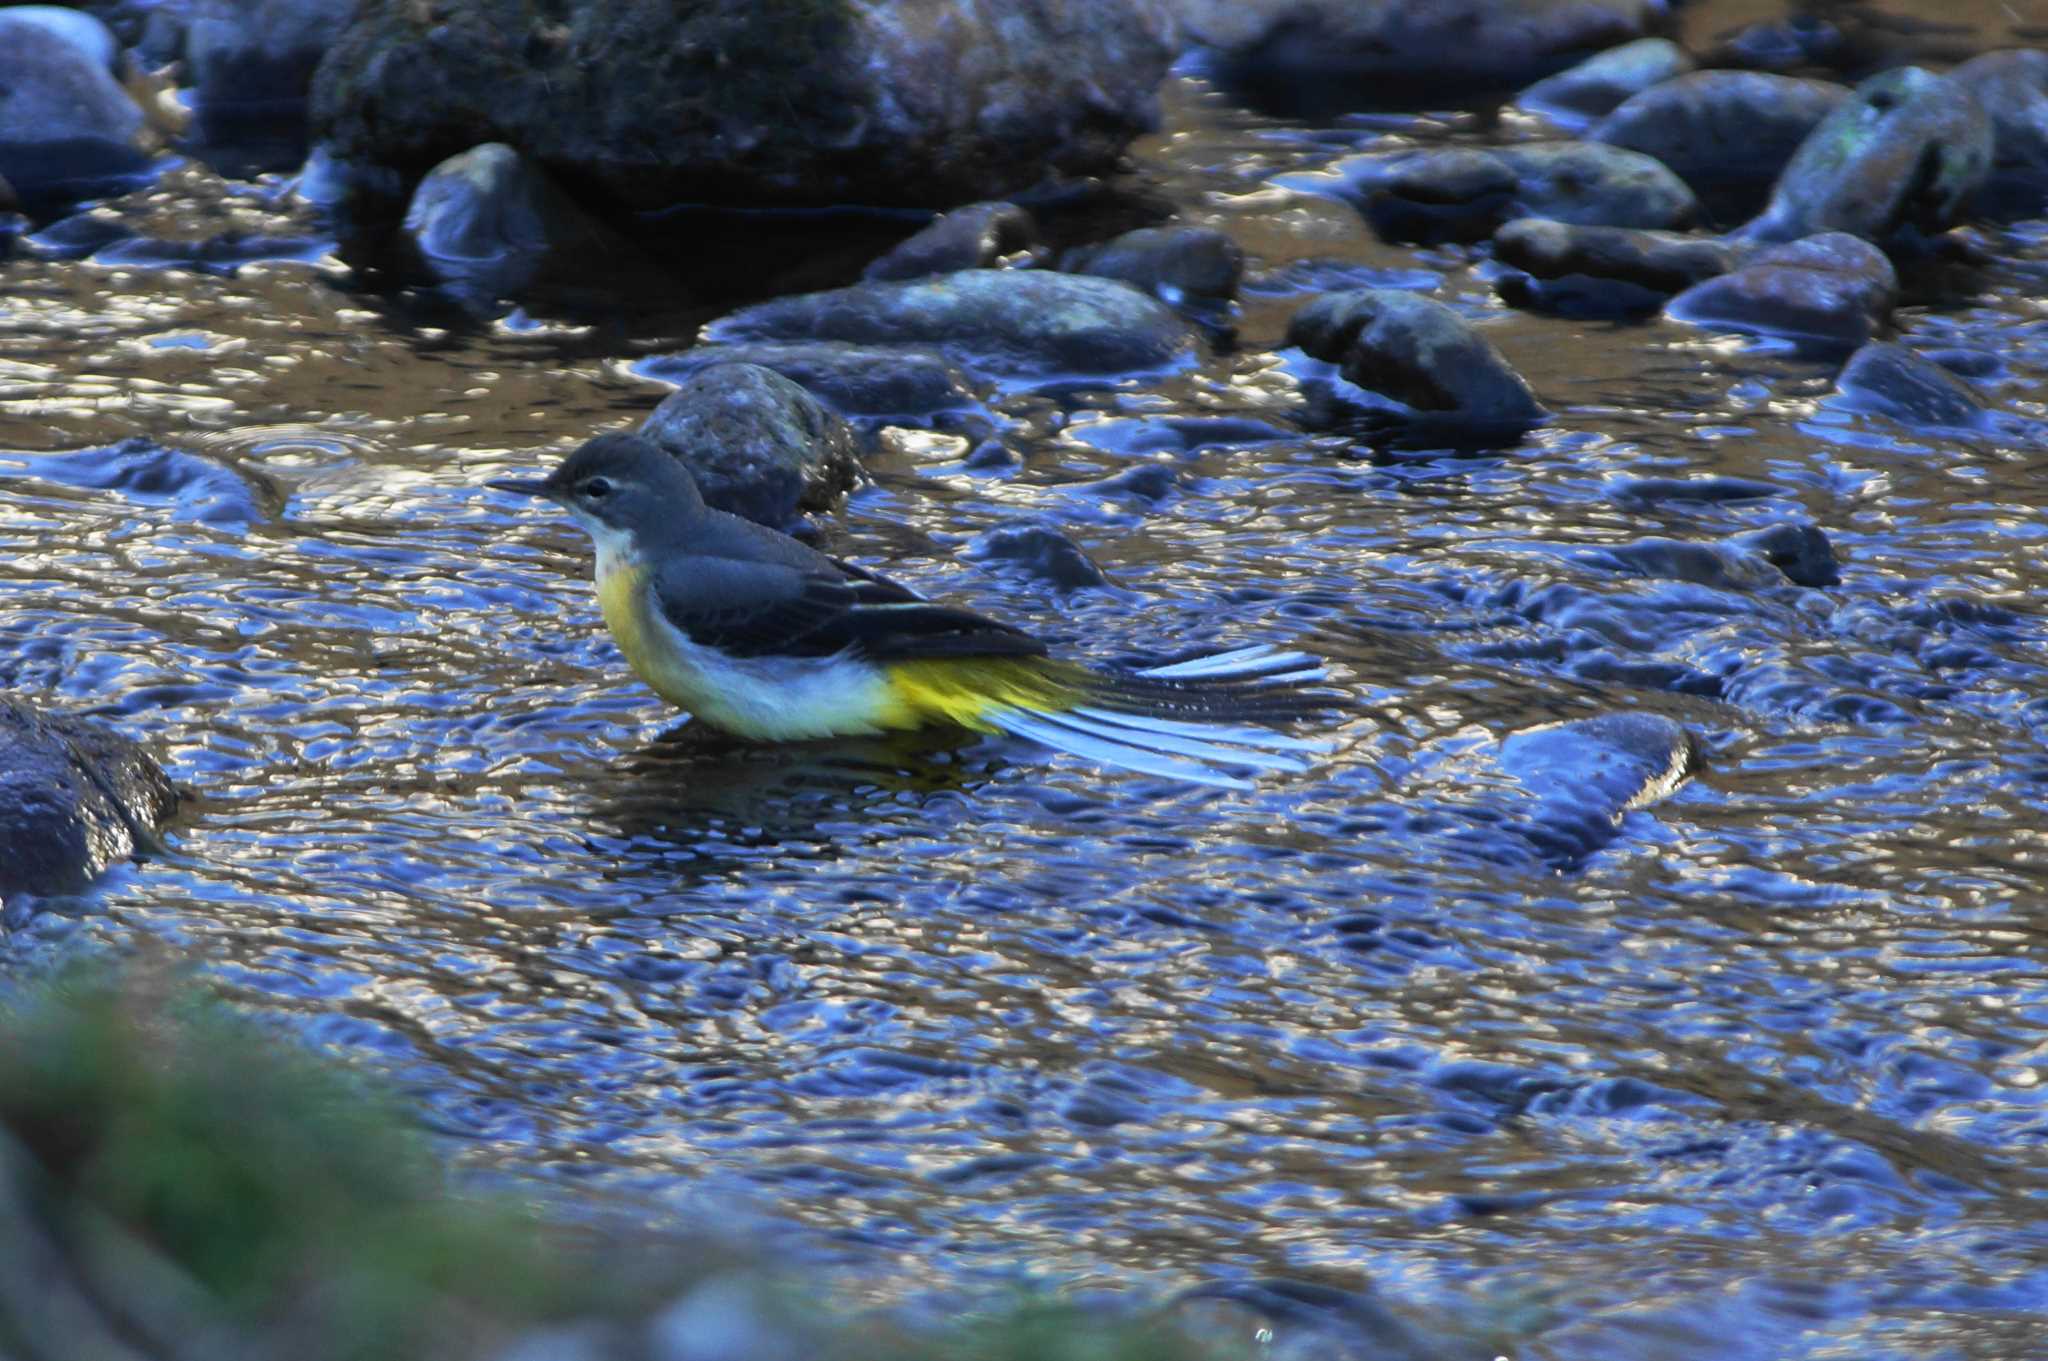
1759	1073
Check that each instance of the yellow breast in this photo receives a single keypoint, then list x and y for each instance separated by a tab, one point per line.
765	698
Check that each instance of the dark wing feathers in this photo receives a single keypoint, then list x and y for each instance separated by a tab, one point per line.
751	609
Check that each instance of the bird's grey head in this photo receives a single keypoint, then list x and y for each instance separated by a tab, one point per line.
618	485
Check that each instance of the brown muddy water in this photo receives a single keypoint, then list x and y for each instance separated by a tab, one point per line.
1755	1071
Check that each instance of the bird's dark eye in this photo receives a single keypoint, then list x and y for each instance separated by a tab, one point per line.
597	488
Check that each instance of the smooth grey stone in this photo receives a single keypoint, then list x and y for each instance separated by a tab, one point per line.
1008	321
75	797
1596	86
77	28
651	104
759	445
1909	149
855	380
488	224
2012	87
1420	353
1891	380
1722	129
68	130
1833	288
978	236
1177	265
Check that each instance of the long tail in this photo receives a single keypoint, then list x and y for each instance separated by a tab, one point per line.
1204	720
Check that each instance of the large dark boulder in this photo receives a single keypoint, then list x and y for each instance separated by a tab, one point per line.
651	103
252	61
74	798
1907	150
1441	44
1004	321
759	445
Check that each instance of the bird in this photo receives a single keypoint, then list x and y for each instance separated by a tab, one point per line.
768	639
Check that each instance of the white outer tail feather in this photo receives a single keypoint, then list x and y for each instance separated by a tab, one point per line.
1182	749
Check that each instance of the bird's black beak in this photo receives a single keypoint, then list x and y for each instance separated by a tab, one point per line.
521	485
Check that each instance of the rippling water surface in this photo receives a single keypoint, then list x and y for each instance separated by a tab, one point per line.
1758	1073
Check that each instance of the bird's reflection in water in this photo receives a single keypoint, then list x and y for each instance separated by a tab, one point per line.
725	804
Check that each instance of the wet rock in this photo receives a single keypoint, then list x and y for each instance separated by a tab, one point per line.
1196	266
1602	270
1781	45
1584	775
1420	353
1457	43
189	485
1891	380
77	29
1832	288
488	224
760	446
1762	560
1464	194
979	236
2012	88
1001	321
803	102
1713	565
856	380
67	128
1722	132
1657	491
1137	435
74	798
1598	85
1039	552
252	61
1802	553
1908	149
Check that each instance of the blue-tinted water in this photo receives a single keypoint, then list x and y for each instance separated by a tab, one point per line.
1755	1070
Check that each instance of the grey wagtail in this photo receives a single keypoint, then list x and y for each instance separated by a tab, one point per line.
765	638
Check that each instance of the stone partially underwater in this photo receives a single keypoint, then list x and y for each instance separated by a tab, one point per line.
75	797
